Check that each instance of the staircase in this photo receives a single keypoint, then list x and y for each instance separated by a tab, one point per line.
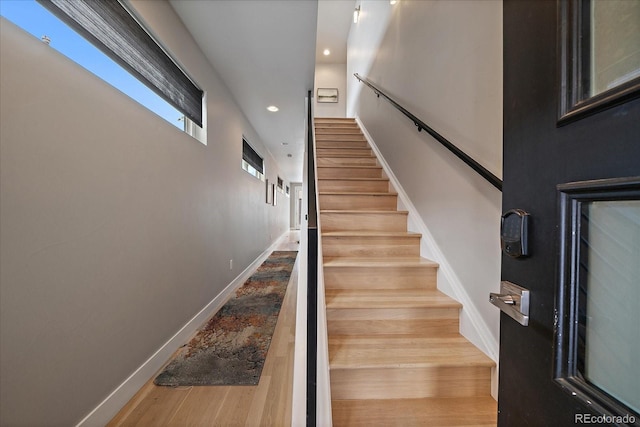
396	357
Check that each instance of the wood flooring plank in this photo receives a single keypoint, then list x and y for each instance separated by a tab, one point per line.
157	408
201	407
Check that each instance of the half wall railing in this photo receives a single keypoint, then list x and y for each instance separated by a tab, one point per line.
312	272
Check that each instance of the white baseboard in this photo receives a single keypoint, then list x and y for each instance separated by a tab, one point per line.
472	325
110	406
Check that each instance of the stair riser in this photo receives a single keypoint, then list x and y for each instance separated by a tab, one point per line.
345	125
322	129
329	172
370	246
332	120
343	152
427	314
358	202
425	327
341	144
380	278
407	383
363	221
337	131
357	186
323	123
340	138
347	161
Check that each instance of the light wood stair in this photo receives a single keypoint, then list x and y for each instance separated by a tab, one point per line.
396	356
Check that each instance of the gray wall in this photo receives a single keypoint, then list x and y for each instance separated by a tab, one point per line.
443	61
116	228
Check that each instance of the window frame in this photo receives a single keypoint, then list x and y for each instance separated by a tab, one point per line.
567	336
575	101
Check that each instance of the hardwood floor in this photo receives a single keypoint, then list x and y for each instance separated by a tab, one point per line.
267	404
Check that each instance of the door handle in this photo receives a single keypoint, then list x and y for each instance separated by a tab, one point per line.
507	299
513	300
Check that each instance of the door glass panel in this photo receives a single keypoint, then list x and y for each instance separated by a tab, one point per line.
615	43
609	332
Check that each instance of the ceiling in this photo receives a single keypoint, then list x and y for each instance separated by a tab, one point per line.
265	52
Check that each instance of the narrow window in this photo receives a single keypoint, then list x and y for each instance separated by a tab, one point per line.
251	160
114	30
106	39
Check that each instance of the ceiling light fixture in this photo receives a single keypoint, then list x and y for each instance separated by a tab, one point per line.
272	108
393	1
326	52
356	15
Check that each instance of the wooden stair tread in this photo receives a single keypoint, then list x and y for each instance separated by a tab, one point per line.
356	193
371	234
338	211
370	262
388	298
353	179
349	119
345	155
388	351
350	166
477	411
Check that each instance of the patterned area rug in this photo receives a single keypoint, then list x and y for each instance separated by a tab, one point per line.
232	347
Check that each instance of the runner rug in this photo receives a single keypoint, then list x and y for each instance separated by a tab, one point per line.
231	348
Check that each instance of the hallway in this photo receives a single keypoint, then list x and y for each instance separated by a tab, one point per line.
267	404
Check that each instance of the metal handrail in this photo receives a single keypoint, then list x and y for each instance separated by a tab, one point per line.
493	180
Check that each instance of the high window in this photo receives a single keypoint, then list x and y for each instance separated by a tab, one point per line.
251	160
105	38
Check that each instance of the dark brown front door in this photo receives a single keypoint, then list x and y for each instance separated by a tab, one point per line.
572	161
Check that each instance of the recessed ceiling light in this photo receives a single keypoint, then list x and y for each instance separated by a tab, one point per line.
272	108
326	52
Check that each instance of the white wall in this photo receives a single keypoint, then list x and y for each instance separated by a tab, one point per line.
443	61
116	228
331	76
362	47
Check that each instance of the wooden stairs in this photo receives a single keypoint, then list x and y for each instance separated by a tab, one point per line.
396	356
